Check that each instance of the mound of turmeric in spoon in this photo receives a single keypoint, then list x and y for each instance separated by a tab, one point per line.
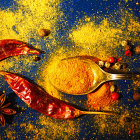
71	76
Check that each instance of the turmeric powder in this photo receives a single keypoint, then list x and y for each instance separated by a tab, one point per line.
71	76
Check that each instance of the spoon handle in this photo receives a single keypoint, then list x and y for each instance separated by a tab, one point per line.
123	76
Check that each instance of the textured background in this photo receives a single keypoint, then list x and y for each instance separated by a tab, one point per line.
63	18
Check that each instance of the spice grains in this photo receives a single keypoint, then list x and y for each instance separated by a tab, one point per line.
71	76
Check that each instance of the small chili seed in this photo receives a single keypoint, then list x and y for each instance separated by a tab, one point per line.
136	96
107	64
137	49
124	43
44	32
101	63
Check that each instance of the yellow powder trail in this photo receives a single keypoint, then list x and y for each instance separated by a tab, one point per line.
51	129
23	24
102	39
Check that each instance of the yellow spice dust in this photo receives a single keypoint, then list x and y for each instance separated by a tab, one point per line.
23	24
10	133
118	124
101	40
52	129
43	79
28	18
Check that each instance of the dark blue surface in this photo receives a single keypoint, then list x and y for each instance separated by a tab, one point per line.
73	11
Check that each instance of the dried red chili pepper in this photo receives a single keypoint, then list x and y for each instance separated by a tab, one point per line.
41	101
12	47
38	99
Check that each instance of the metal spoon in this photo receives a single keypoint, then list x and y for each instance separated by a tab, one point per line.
100	76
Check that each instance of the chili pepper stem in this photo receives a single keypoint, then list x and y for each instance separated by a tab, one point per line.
97	113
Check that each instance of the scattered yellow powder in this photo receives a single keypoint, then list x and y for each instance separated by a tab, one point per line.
10	133
52	129
136	84
116	124
30	16
23	24
98	39
44	82
43	79
102	39
134	26
97	35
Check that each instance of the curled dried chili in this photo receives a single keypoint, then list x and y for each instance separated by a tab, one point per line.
12	47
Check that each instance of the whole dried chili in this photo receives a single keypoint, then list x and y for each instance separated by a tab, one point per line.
41	101
38	99
12	47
